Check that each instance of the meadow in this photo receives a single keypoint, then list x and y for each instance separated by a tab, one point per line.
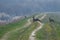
19	30
50	30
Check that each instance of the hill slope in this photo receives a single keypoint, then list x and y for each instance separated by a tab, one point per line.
50	31
23	29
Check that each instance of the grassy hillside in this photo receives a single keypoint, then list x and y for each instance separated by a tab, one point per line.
24	33
50	31
11	26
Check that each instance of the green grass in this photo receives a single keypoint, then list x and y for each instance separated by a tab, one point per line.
24	33
11	26
50	31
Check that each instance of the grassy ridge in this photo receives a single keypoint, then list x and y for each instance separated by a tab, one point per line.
50	31
24	33
11	26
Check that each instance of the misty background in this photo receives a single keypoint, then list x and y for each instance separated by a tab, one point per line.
12	8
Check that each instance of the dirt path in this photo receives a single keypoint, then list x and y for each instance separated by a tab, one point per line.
6	35
32	36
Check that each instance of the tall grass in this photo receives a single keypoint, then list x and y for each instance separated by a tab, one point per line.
24	33
50	31
11	26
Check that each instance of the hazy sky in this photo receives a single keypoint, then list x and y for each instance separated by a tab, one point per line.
29	6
